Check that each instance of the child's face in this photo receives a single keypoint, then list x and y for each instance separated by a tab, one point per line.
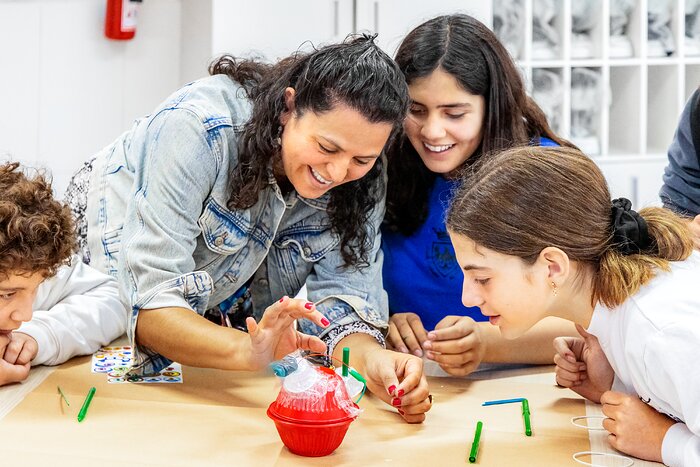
17	293
445	122
512	294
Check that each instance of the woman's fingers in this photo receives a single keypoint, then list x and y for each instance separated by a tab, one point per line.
312	343
288	309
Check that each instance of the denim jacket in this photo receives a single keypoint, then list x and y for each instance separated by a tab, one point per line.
158	221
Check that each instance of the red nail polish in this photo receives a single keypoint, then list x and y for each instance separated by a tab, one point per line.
308	305
396	402
392	388
401	393
325	321
281	299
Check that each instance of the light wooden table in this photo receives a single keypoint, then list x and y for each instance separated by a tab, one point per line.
217	418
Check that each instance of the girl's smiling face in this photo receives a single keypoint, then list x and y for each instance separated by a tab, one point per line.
445	121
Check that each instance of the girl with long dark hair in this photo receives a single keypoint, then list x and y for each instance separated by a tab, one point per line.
467	101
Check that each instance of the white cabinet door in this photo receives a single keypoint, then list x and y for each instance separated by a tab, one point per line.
277	28
392	19
638	181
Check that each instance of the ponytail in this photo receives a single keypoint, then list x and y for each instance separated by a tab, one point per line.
620	276
524	199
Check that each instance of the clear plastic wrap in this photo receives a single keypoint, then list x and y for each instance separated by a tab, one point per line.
311	392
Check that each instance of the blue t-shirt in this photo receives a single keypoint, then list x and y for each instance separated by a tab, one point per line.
421	274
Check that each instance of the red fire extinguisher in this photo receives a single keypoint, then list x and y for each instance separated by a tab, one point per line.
120	20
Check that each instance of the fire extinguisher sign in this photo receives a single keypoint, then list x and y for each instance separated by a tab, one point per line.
121	18
129	15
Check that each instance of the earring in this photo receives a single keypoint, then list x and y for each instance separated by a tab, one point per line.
278	140
554	288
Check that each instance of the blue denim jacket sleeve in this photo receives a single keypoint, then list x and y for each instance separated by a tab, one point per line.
180	161
681	189
350	296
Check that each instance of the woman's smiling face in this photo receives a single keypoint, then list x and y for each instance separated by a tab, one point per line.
324	150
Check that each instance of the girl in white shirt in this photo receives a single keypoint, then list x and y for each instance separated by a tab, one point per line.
536	235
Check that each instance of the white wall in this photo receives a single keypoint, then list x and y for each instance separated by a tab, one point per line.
196	38
272	29
66	91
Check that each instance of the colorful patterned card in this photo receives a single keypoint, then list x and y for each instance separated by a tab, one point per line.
116	361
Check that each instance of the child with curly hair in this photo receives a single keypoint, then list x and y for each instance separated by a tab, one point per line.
52	306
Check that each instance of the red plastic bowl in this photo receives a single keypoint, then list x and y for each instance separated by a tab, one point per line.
310	439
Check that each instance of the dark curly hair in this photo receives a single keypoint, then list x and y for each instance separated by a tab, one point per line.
355	73
466	49
37	233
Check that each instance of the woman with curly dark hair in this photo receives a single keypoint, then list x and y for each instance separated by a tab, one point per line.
238	190
52	306
467	102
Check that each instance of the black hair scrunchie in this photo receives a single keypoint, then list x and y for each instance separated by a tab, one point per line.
630	230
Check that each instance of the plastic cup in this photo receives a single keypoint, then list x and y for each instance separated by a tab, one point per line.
310	439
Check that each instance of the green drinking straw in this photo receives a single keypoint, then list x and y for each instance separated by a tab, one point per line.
63	396
346	360
526	416
86	404
475	443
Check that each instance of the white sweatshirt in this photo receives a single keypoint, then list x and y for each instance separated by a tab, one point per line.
652	342
75	313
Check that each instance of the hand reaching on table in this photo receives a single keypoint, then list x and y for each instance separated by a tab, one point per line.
635	427
275	336
398	379
582	365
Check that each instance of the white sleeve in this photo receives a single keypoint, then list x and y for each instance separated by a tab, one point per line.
680	448
75	313
673	376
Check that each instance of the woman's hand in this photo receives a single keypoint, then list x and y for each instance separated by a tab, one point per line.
406	333
582	365
635	427
397	378
274	336
456	345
